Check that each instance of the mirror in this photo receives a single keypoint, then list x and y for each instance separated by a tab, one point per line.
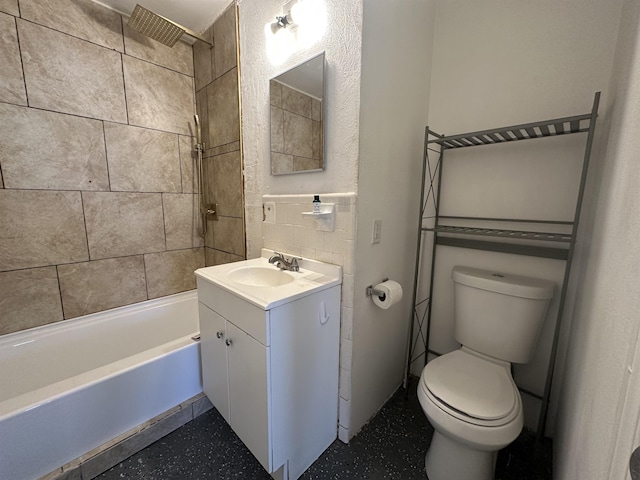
297	118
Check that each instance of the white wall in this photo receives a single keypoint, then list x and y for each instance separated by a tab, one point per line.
498	63
341	44
598	424
396	57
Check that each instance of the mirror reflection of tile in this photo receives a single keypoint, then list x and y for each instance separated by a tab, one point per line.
296	108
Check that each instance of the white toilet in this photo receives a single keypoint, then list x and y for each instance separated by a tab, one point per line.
469	395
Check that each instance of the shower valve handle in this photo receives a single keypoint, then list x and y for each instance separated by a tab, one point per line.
228	342
219	334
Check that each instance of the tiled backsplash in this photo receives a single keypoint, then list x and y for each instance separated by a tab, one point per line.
286	230
97	199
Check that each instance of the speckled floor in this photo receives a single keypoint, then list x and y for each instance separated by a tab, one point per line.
391	446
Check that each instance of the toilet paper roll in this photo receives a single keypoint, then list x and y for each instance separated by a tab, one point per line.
392	294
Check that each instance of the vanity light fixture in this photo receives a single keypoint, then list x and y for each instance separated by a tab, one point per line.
302	25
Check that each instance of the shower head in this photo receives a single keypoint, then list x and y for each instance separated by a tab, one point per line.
159	28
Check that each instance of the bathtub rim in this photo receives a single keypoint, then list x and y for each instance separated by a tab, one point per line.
8	339
34	398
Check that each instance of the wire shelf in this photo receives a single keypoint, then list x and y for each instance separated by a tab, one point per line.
548	128
495	232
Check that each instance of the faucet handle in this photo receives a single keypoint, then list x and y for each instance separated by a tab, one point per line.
294	264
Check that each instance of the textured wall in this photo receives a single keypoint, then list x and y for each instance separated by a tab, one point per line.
342	84
598	423
572	49
396	69
218	105
342	106
97	203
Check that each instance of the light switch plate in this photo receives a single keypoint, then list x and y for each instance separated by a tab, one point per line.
376	232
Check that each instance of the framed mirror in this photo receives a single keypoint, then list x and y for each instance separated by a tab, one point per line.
297	118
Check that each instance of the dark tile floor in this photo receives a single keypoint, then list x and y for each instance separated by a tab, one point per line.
391	446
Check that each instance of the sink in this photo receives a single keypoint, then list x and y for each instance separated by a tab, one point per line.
264	285
260	276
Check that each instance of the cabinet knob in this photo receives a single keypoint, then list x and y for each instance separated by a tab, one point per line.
228	342
219	334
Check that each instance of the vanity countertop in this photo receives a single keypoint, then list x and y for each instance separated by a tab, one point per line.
265	286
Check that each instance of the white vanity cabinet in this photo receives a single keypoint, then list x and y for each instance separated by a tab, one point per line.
272	373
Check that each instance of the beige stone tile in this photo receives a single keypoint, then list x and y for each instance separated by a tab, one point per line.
281	163
208	179
10	7
224	39
142	160
298	132
29	298
69	75
275	93
227	184
90	287
217	257
172	272
41	228
301	164
203	114
121	224
228	235
178	58
81	18
316	110
188	165
158	98
277	130
49	150
224	117
219	150
316	140
296	102
11	81
203	61
181	221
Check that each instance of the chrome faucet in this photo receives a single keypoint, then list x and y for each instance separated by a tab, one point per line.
282	263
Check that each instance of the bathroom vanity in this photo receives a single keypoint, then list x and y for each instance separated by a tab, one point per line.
270	357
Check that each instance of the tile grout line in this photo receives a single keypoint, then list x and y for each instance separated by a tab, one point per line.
24	77
60	292
106	154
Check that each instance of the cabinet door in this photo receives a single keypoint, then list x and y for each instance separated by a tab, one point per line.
214	359
248	393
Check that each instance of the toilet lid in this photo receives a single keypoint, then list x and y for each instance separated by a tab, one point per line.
476	387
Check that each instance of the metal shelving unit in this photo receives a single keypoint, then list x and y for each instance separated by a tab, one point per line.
537	243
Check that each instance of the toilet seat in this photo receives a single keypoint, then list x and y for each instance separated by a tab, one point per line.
472	388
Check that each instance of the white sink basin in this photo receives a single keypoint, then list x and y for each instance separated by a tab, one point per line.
260	276
264	285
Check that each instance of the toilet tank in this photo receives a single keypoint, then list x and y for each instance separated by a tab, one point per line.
499	314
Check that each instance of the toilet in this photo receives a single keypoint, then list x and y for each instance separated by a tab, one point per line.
469	395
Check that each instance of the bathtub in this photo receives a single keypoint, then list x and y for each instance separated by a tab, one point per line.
69	387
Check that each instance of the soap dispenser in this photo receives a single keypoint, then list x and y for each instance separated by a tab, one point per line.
316	204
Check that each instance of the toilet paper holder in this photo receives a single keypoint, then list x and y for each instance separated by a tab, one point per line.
372	291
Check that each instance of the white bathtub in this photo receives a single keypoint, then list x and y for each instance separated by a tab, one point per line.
69	387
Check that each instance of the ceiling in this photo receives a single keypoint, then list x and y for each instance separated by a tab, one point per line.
194	14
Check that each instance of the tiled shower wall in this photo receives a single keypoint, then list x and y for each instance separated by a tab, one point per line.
286	230
218	105
97	205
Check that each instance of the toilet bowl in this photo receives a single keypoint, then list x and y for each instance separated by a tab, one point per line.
469	395
487	415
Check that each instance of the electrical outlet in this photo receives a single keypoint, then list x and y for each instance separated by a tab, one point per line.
269	212
376	232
